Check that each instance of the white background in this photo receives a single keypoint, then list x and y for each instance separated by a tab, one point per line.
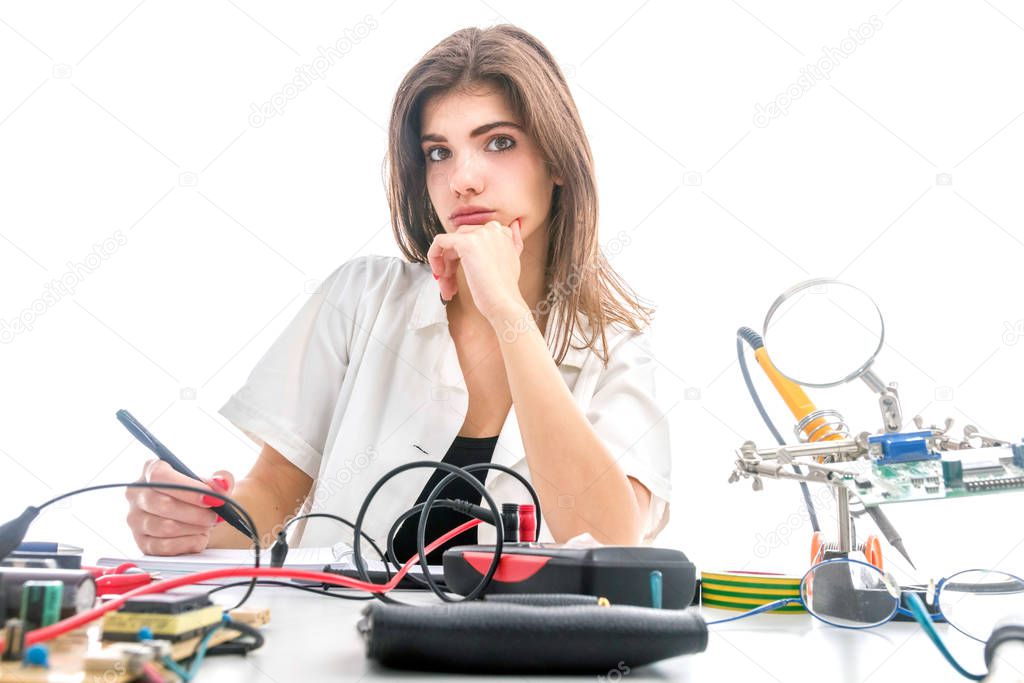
131	123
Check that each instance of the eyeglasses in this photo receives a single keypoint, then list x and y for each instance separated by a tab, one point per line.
853	594
842	592
974	600
850	593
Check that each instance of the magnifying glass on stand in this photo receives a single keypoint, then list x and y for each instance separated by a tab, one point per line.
823	333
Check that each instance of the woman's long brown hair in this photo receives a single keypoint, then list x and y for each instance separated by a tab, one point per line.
582	286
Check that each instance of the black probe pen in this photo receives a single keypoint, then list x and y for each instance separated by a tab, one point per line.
146	438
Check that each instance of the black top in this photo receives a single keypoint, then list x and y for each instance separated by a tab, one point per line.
465	450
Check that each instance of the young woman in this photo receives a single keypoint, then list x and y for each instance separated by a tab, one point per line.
503	336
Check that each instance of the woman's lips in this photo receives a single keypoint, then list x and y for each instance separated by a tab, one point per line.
473	218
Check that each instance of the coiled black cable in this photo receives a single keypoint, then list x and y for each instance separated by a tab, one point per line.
451	469
428	581
392	555
253	535
421	532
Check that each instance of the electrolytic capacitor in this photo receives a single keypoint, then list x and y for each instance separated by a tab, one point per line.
78	595
41	603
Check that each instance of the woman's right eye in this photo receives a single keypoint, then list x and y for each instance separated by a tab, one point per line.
430	154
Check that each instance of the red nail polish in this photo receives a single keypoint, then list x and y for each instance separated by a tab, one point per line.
219	519
437	277
221	483
211	501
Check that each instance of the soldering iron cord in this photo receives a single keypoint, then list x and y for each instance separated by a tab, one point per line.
745	334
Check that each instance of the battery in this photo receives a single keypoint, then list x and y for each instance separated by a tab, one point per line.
40	603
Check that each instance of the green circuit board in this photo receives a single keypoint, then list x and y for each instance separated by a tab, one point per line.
967	472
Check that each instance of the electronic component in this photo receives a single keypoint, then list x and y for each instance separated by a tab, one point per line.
952	472
619	573
163	626
961	472
902	447
999	484
170	602
984	467
41	603
173	615
78	594
1018	454
180	648
14	640
37	655
128	657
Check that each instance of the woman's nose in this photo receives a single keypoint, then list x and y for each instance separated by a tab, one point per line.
466	176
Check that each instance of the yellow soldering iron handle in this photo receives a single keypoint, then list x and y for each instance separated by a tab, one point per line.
796	399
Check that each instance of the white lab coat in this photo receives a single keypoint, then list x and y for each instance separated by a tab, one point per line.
366	377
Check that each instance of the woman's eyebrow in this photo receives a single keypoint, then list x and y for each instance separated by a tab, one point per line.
480	130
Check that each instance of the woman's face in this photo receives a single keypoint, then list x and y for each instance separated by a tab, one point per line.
471	161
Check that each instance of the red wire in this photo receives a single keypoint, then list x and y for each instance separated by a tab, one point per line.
151	674
61	627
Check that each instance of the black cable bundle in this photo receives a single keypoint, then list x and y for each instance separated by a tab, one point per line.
509	637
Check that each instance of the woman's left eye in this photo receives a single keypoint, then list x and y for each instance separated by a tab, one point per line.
505	148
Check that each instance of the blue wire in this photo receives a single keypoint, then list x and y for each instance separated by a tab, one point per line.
767	607
923	618
917	609
205	643
176	669
748	380
200	653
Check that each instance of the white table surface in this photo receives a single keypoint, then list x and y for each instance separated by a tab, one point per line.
312	638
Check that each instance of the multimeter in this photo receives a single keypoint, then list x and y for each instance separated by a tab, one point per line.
622	574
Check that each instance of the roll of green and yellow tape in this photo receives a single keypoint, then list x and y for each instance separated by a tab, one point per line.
742	591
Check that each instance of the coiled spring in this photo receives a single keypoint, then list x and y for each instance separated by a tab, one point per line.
832	423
